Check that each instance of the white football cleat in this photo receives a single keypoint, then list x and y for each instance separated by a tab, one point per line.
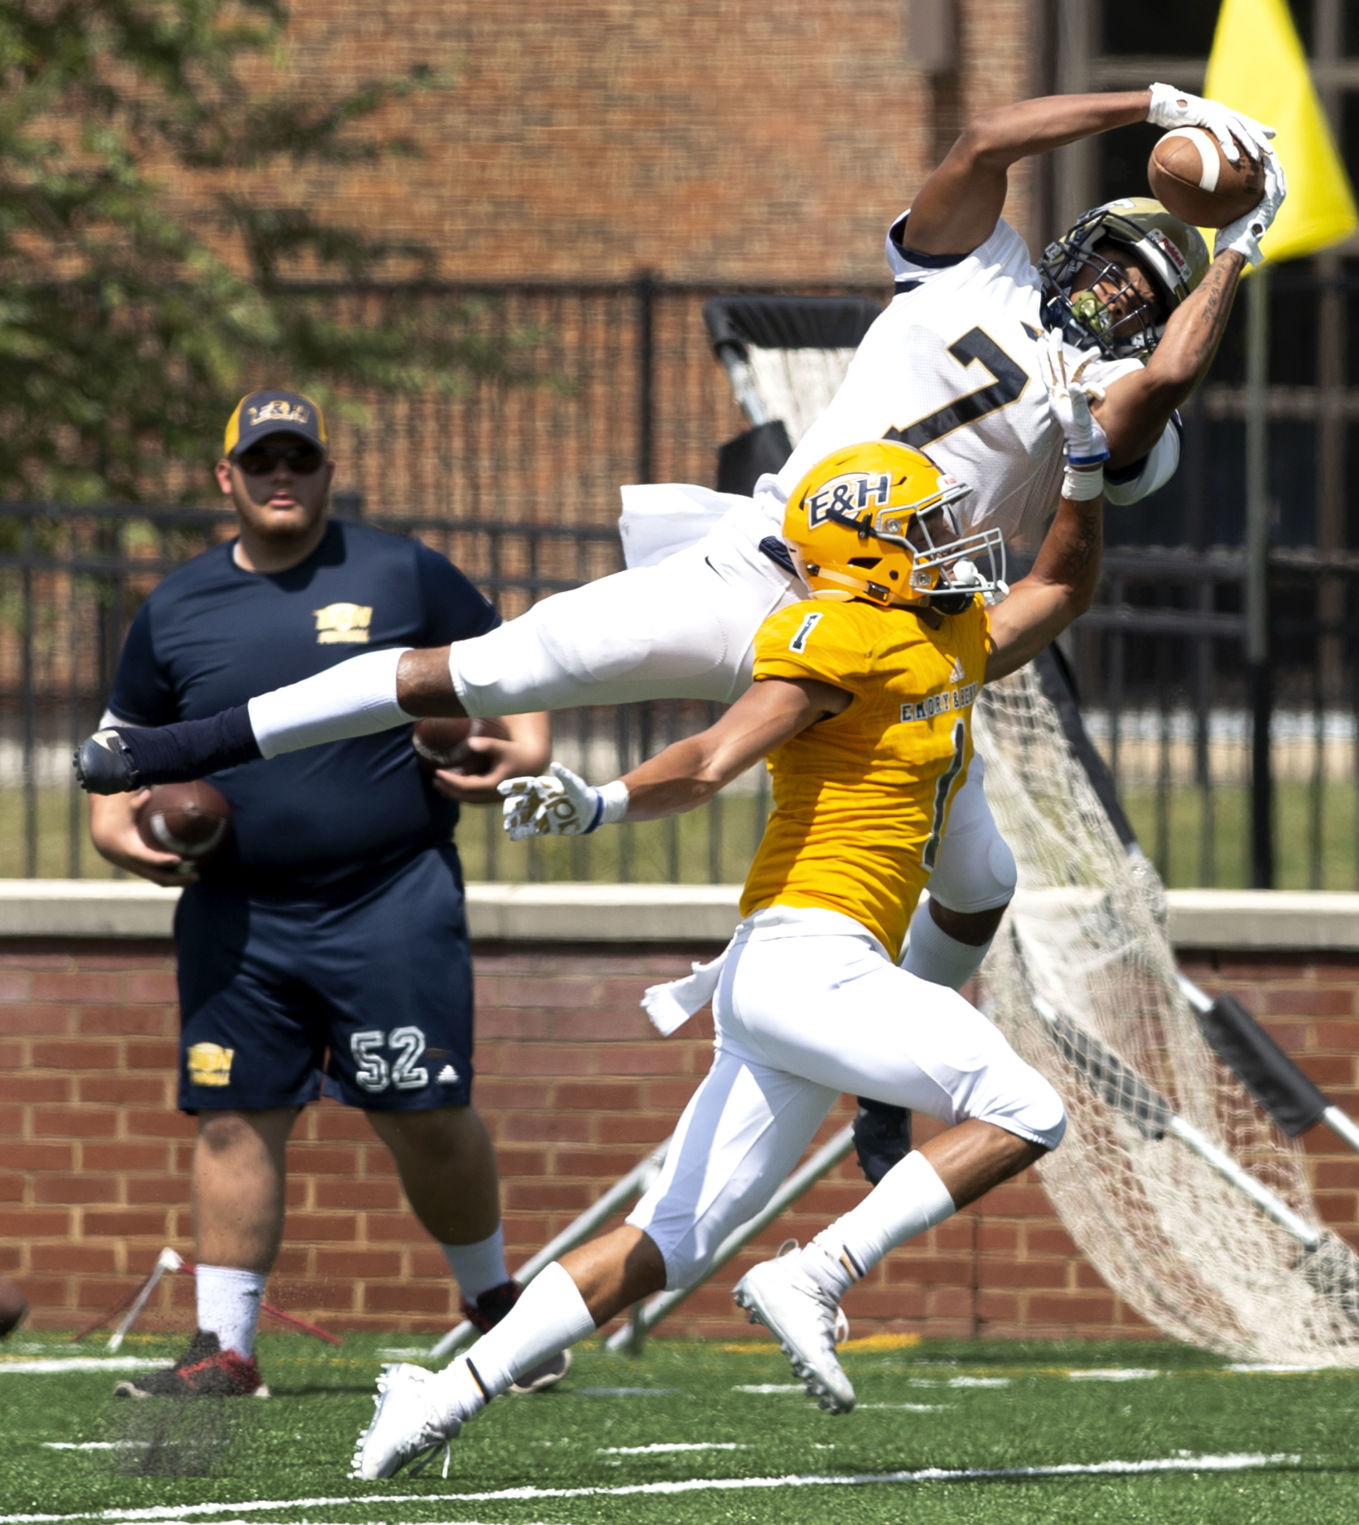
408	1426
801	1316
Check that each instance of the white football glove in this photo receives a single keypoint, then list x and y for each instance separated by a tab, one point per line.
1069	401
1245	233
559	804
1177	108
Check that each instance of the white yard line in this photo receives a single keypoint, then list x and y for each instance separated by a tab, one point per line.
95	1445
225	1514
43	1365
662	1446
913	1408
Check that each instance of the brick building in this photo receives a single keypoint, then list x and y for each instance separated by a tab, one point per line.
702	140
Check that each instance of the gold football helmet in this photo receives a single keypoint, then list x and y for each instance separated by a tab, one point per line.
871	521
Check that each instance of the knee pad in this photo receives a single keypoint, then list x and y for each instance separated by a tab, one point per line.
1027	1105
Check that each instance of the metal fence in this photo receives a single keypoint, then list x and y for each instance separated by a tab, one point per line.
518	485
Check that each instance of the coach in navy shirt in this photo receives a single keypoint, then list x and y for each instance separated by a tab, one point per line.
328	933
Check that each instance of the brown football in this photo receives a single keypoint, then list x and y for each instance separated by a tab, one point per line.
191	820
1195	181
442	742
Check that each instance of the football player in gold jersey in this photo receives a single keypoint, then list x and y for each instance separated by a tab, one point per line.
861	704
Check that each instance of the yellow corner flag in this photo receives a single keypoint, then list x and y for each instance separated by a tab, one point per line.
1257	66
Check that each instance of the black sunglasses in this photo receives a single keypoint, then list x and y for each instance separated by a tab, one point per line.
302	459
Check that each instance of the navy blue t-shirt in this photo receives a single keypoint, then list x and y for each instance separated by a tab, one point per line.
212	635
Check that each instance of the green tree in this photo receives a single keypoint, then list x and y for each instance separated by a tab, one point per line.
125	320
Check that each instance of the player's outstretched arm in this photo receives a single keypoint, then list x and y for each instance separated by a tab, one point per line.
1065	573
958	205
685	774
1138	406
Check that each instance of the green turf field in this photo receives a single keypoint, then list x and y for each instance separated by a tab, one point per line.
976	1433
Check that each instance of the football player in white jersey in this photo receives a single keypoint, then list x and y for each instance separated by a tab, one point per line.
950	367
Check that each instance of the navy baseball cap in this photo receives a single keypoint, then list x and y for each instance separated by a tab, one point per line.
265	413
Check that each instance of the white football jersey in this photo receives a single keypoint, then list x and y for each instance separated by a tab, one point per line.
952	367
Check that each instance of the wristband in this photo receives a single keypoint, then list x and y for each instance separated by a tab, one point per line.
611	804
1080	486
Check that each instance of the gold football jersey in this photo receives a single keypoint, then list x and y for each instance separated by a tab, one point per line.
861	799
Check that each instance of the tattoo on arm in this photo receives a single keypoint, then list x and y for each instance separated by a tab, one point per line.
1083	545
1211	310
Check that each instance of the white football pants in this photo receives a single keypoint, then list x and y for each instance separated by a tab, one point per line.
808	1006
683	627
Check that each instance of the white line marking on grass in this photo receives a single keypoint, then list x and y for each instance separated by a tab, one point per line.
625	1392
47	1364
695	1445
769	1387
913	1408
223	1512
1113	1374
1271	1368
979	1381
96	1445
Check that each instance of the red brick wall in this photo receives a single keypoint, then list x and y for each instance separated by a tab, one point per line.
698	139
93	1158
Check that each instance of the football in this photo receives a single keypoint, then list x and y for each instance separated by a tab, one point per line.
190	820
1195	181
441	742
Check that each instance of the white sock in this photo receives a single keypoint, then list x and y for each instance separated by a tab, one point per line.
931	954
478	1267
229	1305
456	1392
353	698
550	1315
909	1199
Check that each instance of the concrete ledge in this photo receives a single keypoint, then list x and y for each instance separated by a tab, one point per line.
1283	920
85	908
652	913
1323	920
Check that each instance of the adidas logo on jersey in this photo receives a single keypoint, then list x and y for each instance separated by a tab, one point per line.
447	1076
957	675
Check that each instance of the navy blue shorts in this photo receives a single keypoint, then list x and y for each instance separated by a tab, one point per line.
374	988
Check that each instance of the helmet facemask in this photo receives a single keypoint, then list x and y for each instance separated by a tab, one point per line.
872	522
950	561
1110	309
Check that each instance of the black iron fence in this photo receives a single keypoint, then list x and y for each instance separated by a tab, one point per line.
1158	660
517	483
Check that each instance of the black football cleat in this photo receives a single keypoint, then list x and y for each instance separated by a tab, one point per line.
882	1137
103	765
205	1370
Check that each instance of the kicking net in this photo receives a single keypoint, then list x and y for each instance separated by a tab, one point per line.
1190	1205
